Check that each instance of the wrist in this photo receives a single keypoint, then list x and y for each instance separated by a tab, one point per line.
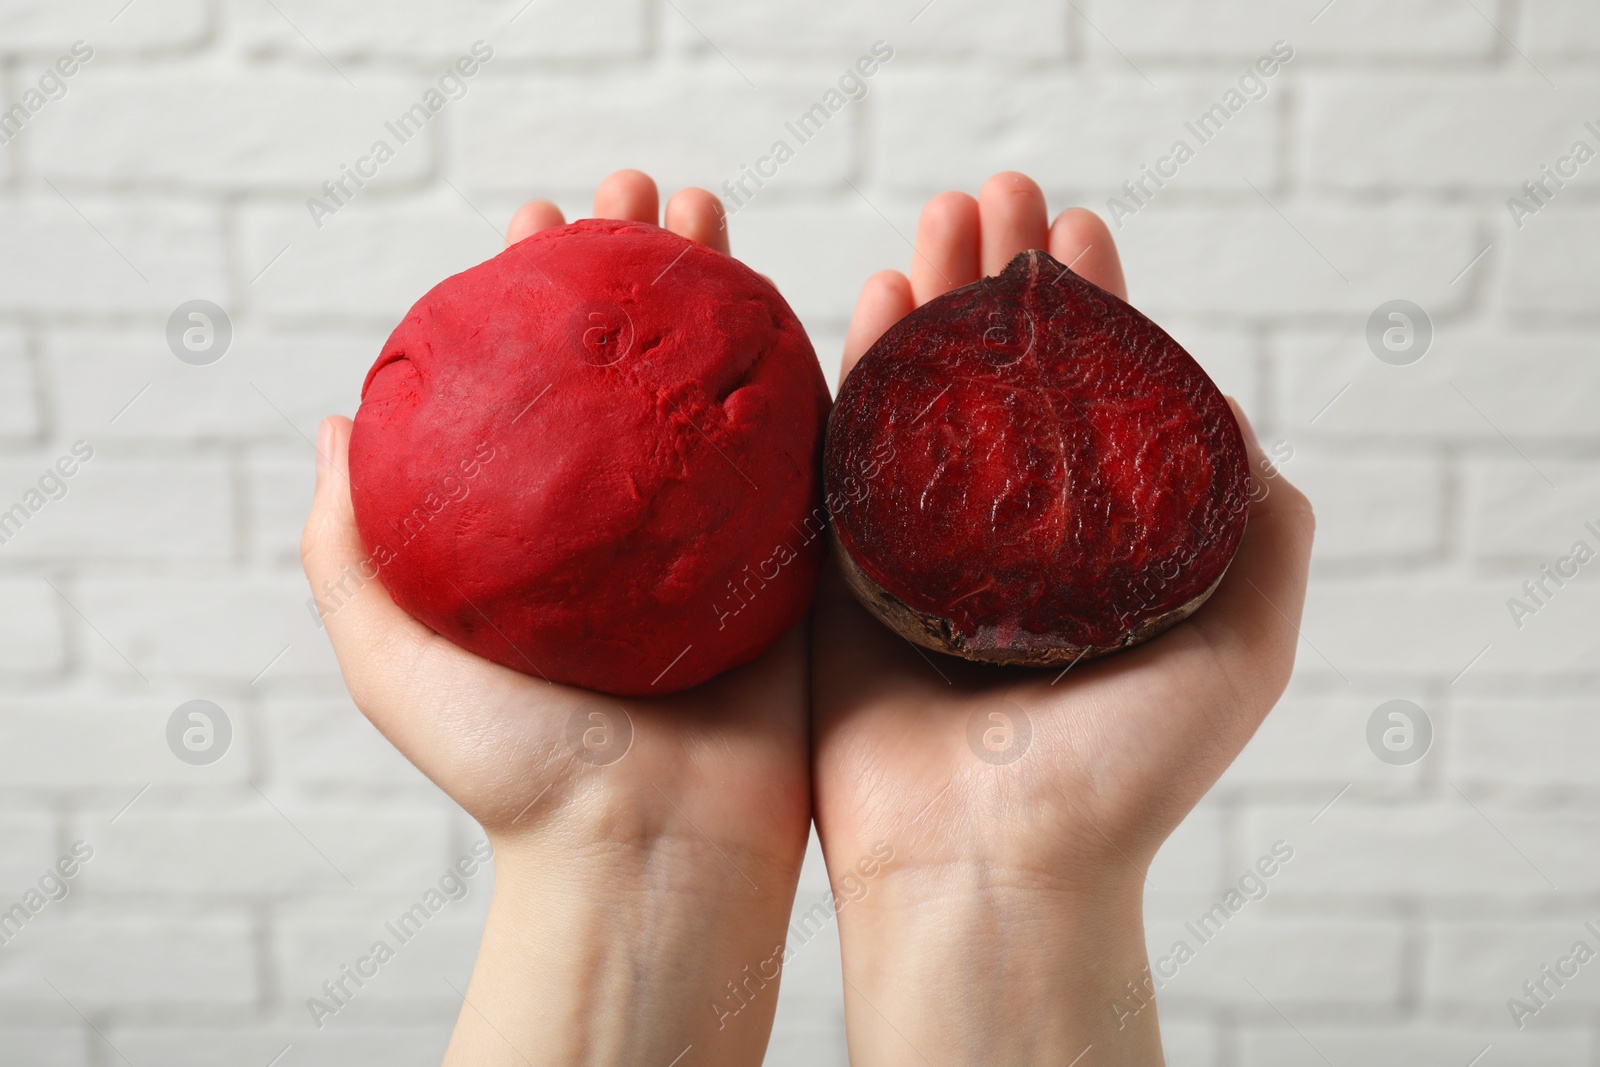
619	952
998	966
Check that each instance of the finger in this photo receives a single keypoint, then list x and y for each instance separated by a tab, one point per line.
1080	240
627	194
1252	621
698	215
422	692
367	629
884	301
381	650
1011	218
947	246
533	217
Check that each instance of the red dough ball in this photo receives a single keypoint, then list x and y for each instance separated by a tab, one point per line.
1033	473
595	459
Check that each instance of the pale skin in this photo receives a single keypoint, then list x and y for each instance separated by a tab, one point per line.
1011	914
629	893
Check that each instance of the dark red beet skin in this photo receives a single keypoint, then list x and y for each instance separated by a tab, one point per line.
1027	470
596	458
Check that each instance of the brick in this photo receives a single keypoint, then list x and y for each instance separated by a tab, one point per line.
28	847
1185	30
226	631
813	873
19	388
1561	27
32	634
1437	625
98	961
1460	131
374	259
1550	260
694	129
1295	962
814	970
1316	743
842	33
1552	638
47	1046
1380	508
1398	625
1249	262
118	744
1442	849
266	130
1068	131
1185	1043
1189	861
819	257
46	29
1513	514
271	385
331	744
1419	1045
314	950
814	973
58	263
1483	963
811	1040
339	1045
117	508
277	498
255	849
418	32
1532	744
1464	389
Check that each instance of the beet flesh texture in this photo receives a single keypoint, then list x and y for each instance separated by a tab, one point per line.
1026	470
579	460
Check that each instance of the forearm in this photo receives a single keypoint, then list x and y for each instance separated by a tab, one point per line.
967	967
624	957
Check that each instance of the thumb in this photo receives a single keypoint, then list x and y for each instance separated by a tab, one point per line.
370	634
425	694
1252	621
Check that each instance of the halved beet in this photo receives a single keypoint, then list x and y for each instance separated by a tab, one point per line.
1026	470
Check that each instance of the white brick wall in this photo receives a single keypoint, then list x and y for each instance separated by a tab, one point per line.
1456	131
1359	30
418	32
1561	28
102	254
177	167
19	411
1550	259
39	28
1387	1045
1023	122
241	142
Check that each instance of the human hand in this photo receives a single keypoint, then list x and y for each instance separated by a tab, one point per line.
1010	914
646	849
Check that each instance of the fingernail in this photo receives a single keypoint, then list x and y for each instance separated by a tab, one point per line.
324	449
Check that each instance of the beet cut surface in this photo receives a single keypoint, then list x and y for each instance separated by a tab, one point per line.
1026	470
